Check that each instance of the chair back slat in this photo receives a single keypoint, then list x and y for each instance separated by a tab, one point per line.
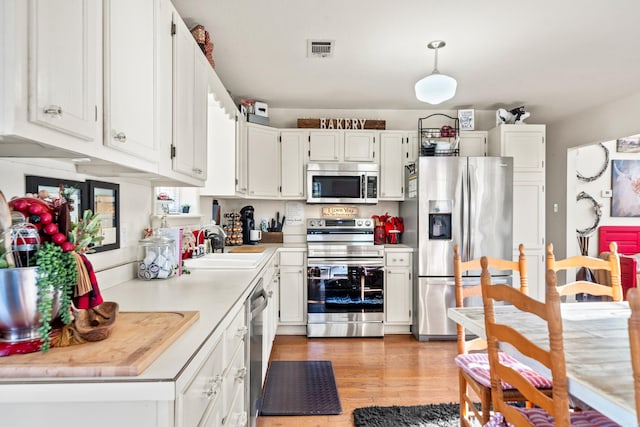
612	265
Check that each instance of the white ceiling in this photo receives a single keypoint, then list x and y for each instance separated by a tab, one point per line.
556	57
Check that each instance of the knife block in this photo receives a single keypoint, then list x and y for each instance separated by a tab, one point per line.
271	237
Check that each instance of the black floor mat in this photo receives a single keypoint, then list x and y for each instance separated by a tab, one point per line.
300	388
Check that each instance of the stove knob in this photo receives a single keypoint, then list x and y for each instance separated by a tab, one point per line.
367	223
359	223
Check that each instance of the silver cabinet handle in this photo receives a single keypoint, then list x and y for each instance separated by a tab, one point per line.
120	136
213	386
53	110
242	332
241	374
270	294
197	171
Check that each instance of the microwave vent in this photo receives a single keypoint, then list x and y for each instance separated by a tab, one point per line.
320	48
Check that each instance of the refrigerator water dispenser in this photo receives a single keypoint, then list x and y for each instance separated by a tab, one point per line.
440	219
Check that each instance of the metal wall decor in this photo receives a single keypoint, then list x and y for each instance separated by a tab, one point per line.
597	208
602	169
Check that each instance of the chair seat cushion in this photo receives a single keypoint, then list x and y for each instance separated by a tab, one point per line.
477	366
541	418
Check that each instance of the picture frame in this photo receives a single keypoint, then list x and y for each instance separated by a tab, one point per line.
625	184
628	145
104	201
466	119
78	192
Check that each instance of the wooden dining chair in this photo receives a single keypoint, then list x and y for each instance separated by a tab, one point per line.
548	410
473	366
612	265
633	296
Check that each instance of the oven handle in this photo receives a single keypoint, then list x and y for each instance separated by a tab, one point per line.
368	262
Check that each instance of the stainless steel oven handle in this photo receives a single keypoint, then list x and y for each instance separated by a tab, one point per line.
368	262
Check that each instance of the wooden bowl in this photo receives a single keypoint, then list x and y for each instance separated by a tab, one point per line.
96	324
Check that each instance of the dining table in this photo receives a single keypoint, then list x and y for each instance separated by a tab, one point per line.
596	347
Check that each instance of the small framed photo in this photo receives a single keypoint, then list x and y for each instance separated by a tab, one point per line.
104	201
466	118
628	145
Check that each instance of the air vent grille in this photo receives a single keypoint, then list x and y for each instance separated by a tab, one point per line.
319	48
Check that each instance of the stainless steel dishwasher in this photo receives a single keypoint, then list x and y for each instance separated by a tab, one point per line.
255	306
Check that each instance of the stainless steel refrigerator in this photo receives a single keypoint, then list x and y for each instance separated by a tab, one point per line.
454	200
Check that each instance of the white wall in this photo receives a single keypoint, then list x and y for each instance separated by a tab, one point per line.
607	122
589	160
135	203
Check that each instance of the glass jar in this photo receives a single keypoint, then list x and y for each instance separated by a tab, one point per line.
157	258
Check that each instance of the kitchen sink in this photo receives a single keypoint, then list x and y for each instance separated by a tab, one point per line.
224	261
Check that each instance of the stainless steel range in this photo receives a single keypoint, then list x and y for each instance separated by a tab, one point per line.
345	279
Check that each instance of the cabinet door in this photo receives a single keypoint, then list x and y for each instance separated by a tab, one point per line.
325	145
473	143
292	147
392	165
129	78
200	100
292	295
359	146
263	163
412	147
183	98
241	155
398	297
528	214
64	78
526	147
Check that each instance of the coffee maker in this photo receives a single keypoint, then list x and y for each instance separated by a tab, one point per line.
246	218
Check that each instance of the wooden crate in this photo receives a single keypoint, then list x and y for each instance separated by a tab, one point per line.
271	237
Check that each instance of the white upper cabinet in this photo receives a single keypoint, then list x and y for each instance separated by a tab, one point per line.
241	155
50	79
473	143
325	145
525	143
190	92
63	69
392	160
292	154
360	145
342	145
129	77
263	161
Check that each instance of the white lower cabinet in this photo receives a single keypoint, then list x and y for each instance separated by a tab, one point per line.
210	398
292	288
398	298
270	280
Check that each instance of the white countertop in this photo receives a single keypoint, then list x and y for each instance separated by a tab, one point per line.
213	293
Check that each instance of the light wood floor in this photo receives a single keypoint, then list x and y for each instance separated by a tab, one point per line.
394	370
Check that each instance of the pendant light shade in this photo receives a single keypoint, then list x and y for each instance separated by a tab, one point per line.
436	88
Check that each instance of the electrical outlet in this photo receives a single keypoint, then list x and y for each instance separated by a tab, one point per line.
124	235
606	193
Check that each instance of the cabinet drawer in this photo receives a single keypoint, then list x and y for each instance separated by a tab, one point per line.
234	336
235	377
401	259
292	258
205	388
237	415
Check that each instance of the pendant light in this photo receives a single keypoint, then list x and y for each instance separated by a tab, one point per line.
436	88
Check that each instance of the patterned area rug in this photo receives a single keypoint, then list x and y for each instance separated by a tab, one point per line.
437	415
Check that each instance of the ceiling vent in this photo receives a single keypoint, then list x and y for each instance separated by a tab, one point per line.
320	48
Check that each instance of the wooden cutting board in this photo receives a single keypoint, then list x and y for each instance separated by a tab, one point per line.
249	249
137	339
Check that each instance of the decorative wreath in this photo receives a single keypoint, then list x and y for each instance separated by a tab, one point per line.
602	169
597	208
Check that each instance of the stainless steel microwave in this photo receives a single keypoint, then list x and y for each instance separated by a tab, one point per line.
342	183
